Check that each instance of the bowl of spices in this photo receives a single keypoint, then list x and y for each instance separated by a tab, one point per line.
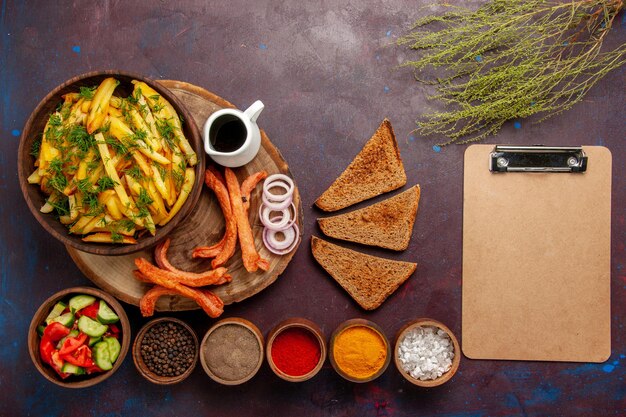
296	349
426	353
359	350
165	351
231	351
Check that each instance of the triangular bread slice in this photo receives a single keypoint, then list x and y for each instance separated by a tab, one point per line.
368	279
388	224
377	169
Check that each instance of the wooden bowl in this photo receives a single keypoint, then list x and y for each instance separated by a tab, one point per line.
455	361
143	368
34	127
238	322
296	323
356	323
40	317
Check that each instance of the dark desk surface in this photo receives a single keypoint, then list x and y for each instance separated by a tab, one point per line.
326	75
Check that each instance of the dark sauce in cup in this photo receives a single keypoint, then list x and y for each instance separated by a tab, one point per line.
228	133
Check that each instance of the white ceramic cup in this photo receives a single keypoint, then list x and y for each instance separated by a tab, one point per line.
250	145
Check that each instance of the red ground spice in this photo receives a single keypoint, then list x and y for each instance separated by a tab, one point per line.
295	351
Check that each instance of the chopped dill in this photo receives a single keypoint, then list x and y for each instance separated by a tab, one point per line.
135	173
105	183
166	130
78	136
84	186
87	92
35	148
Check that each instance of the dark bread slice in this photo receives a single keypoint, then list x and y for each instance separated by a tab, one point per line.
377	169
368	279
387	224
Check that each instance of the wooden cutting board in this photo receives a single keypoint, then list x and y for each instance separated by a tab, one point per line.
204	226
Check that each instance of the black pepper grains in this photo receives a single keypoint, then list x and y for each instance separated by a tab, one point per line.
168	349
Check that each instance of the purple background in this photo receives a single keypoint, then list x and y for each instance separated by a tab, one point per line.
326	73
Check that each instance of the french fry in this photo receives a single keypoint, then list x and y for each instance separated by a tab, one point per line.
100	104
34	178
70	97
113	208
97	221
129	208
115	102
85	106
112	111
158	201
65	220
77	228
143	165
136	189
190	176
107	237
73	207
119	231
124	134
167	114
158	182
48	206
141	126
147	115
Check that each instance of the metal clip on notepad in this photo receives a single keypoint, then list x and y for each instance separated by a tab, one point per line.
538	158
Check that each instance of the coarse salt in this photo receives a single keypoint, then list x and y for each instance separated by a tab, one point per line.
426	353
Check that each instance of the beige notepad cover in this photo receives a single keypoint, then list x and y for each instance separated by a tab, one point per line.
536	261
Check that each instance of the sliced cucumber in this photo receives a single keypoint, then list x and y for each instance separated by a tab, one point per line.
91	327
40	330
81	301
106	315
114	348
66	319
102	356
56	311
94	340
69	368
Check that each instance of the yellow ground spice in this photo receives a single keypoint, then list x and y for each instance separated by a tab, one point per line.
360	351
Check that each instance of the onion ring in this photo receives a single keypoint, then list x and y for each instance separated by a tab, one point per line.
269	236
277	197
277	178
277	206
291	247
284	221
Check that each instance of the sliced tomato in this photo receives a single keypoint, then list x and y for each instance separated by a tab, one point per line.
55	331
80	357
72	343
57	364
114	329
46	347
90	311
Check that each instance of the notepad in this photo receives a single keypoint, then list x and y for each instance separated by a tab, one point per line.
536	255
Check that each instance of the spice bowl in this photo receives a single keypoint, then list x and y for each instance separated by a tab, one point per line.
231	351
296	349
39	319
415	338
359	350
156	342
